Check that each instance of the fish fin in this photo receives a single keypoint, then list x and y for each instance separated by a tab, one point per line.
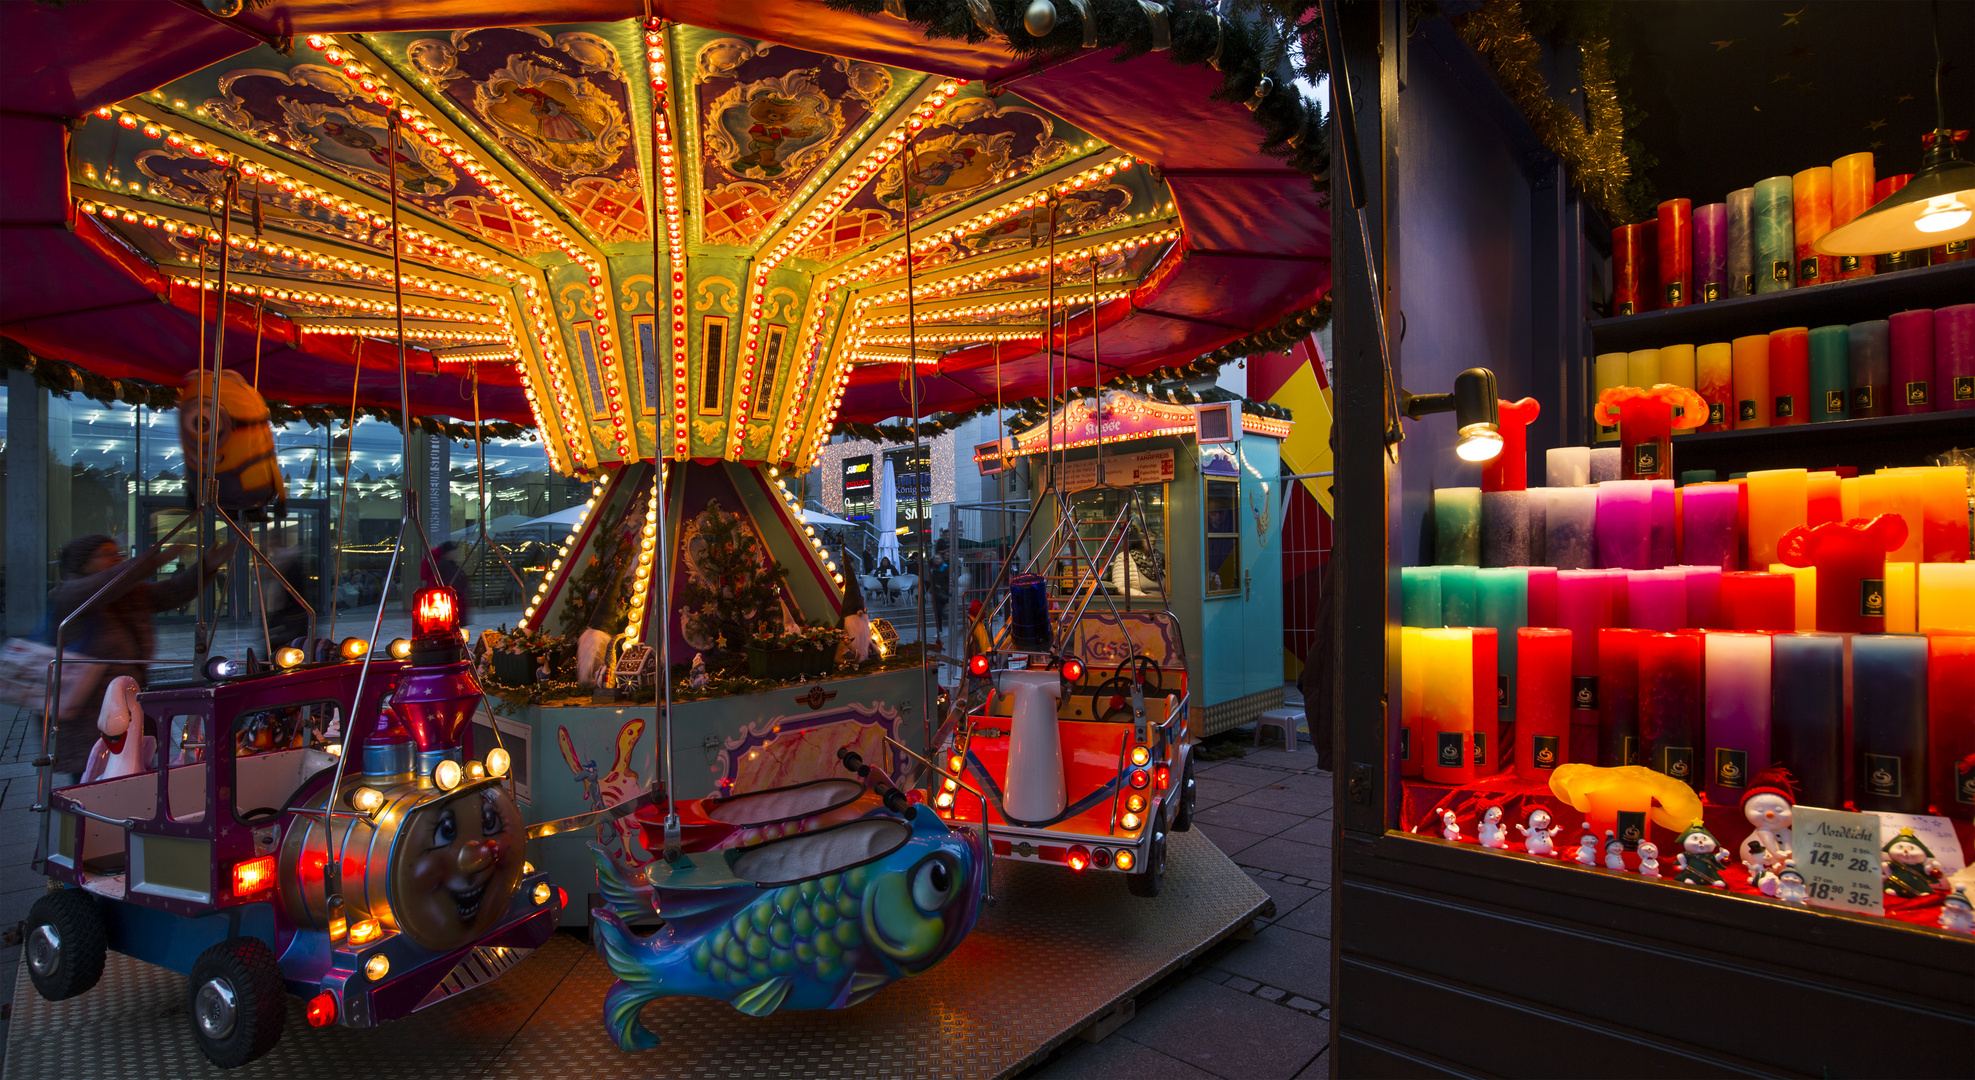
862	985
634	963
621	1007
765	997
624	899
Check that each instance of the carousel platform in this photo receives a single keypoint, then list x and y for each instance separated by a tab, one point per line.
1056	954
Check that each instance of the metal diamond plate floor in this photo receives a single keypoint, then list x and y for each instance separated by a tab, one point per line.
1056	952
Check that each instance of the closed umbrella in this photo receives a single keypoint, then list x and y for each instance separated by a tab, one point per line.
888	515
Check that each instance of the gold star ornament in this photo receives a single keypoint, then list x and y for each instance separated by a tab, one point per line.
1794	18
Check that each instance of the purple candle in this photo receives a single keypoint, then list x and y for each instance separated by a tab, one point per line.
1625	524
1656	599
1710	532
1872	375
1703	594
1808	732
1571	528
1584	607
1954	357
1666	530
1738	682
1711	252
1912	354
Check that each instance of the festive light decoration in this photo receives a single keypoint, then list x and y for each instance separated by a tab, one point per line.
674	289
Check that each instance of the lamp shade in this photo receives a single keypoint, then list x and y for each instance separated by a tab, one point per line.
1937	206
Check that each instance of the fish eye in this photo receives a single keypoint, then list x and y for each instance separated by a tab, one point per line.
932	884
447	828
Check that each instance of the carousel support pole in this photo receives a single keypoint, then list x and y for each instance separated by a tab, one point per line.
922	526
208	480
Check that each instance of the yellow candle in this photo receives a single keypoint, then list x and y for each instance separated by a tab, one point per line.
1897	491
1447	705
1677	366
1642	368
1608	372
1779	501
1806	592
1900	615
1946	597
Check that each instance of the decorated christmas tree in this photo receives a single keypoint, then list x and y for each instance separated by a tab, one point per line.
733	590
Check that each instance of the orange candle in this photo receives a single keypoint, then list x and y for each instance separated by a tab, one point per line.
1752	404
1852	177
1810	205
1779	500
1714	377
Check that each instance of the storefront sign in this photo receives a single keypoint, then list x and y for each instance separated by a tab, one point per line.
1120	470
1838	854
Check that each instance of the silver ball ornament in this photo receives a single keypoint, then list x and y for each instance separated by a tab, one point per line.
1040	18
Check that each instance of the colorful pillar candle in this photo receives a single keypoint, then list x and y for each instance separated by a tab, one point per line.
1447	705
1789	376
1543	595
1670	704
1457	526
1775	235
1703	595
1505	528
1666	524
1753	600
1830	374
1852	177
1742	242
1752	404
1584	607
1945	598
1635	251
1509	470
1419	596
1642	368
1738	685
1803	594
1490	689
1567	466
1895	491
1807	730
1625	524
1911	351
1714	378
1943	492
1677	366
1902	598
1615	587
1412	684
1889	722
1501	598
1543	701
1711	252
1822	502
1647	418
1605	464
1952	251
1657	599
1457	596
1779	500
1710	524
1954	357
1676	254
1868	353
1538	508
1571	524
1810	210
1618	696
1849	587
1951	725
1892	262
1608	370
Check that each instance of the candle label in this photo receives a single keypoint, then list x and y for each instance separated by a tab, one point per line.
1806	270
1838	854
1872	598
1625	307
1481	748
1717	412
1645	458
1893	260
1501	691
1748	285
1677	762
1882	775
1748	410
1786	405
1834	401
1449	748
1675	291
1849	263
1779	270
1861	397
1545	752
1964	780
1584	692
1956	247
1628	749
1631	828
1711	292
1916	393
1731	767
1964	387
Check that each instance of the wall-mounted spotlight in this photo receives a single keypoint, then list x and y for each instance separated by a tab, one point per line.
1476	414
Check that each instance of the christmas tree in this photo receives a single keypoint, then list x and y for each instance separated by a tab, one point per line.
734	591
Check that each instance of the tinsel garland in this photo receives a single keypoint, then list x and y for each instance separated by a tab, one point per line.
1594	153
66	379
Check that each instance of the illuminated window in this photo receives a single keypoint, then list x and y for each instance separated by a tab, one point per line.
647	330
713	362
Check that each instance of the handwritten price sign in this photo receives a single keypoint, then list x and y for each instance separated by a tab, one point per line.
1838	854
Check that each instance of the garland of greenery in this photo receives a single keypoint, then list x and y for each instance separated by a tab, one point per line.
66	379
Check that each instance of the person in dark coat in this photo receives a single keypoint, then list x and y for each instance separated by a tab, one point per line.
120	626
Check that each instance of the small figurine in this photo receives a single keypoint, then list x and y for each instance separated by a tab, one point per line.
1790	887
1493	833
1614	852
698	678
1587	847
1536	835
1956	914
1700	858
1768	807
1649	859
1765	880
1911	870
1450	826
1755	855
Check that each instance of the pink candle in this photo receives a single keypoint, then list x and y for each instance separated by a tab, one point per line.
1542	596
1738	685
1912	346
1954	357
1709	517
1625	524
1657	599
1666	524
1703	595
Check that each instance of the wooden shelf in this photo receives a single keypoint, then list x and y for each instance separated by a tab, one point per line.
1870	443
1819	305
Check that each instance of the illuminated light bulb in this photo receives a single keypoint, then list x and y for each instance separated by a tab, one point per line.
377	967
365	930
367	800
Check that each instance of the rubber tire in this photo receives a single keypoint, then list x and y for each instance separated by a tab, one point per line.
1183	818
1149	881
78	924
260	1000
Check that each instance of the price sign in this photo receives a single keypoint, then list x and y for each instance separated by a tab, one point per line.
1838	854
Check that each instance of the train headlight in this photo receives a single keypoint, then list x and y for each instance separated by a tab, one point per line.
498	762
290	657
377	967
1141	755
364	930
400	648
1131	822
353	648
475	770
541	893
366	800
446	774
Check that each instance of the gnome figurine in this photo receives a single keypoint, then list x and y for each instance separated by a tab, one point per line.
1700	858
1911	869
1493	833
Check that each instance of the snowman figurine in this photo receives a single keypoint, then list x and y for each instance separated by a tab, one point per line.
1910	868
1614	852
1493	833
1536	836
1649	859
1765	880
1450	826
1768	807
1956	914
1790	887
1700	858
1587	847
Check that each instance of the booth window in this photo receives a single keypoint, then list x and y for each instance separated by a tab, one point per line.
1223	519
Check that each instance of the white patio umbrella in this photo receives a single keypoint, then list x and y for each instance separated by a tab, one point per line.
818	517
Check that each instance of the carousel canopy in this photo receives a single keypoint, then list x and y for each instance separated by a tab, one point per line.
683	238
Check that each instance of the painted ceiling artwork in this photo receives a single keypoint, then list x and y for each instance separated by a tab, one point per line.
680	241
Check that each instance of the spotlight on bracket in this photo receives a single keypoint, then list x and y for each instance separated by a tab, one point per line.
1476	414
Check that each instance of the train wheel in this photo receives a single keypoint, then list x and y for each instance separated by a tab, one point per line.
237	1002
1183	817
1148	882
66	944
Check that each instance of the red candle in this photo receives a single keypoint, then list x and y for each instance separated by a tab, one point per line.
1543	699
1618	696
1850	557
1676	252
1912	347
1671	723
1895	261
1491	692
1584	607
1789	376
1646	419
1753	600
1634	273
1951	725
1509	470
1542	596
1825	503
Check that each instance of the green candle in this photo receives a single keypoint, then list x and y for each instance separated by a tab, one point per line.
1419	596
1457	596
1501	600
1457	526
1776	235
1830	373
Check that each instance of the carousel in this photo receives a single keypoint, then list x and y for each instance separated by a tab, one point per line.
686	244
